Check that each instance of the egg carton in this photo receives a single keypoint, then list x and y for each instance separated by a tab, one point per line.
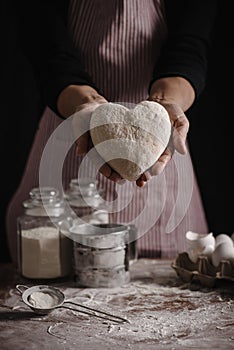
203	270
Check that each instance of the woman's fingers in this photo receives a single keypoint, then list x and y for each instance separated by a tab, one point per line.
181	127
156	169
101	166
82	144
140	182
143	179
161	163
108	172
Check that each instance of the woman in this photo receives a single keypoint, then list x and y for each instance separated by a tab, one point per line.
90	52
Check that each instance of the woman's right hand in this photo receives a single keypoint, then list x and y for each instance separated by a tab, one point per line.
81	123
80	101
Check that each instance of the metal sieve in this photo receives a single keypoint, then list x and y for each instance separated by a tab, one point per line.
26	292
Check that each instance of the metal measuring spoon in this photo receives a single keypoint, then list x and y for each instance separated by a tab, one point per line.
59	301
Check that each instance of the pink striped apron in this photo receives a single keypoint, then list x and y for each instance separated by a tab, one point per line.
119	42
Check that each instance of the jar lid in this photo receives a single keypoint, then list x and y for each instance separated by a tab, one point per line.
100	236
86	187
44	201
44	196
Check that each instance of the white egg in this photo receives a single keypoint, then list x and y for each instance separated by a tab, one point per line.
232	237
199	244
222	238
224	251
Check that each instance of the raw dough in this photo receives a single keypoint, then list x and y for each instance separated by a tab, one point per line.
130	140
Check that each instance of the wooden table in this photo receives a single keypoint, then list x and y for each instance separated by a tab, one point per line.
163	313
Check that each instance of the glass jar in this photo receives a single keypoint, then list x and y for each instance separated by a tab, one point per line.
86	201
133	248
101	255
44	249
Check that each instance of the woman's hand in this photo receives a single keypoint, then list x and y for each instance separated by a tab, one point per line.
81	123
176	95
80	101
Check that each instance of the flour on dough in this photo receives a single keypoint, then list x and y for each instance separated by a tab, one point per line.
130	140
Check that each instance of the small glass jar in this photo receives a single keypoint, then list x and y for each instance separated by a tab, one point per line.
86	201
44	249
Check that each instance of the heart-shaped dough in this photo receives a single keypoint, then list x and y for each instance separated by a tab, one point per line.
130	140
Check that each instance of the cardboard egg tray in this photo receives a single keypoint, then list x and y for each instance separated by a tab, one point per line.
203	270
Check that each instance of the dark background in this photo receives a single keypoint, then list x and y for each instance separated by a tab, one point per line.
211	131
210	136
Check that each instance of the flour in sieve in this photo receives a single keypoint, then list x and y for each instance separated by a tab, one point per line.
43	300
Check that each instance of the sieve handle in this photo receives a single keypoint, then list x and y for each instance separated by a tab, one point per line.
97	313
20	286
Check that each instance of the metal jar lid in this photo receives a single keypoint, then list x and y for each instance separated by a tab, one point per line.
101	236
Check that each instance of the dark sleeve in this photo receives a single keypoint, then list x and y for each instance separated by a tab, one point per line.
186	48
49	47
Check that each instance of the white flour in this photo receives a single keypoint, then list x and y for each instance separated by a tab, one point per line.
42	300
41	250
164	314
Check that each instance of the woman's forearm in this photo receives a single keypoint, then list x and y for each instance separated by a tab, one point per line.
175	90
75	95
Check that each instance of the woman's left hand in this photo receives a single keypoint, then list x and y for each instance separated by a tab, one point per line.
180	127
179	121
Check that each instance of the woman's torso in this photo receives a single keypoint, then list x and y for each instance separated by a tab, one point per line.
119	42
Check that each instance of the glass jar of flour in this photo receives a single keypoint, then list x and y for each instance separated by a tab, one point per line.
86	201
44	249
